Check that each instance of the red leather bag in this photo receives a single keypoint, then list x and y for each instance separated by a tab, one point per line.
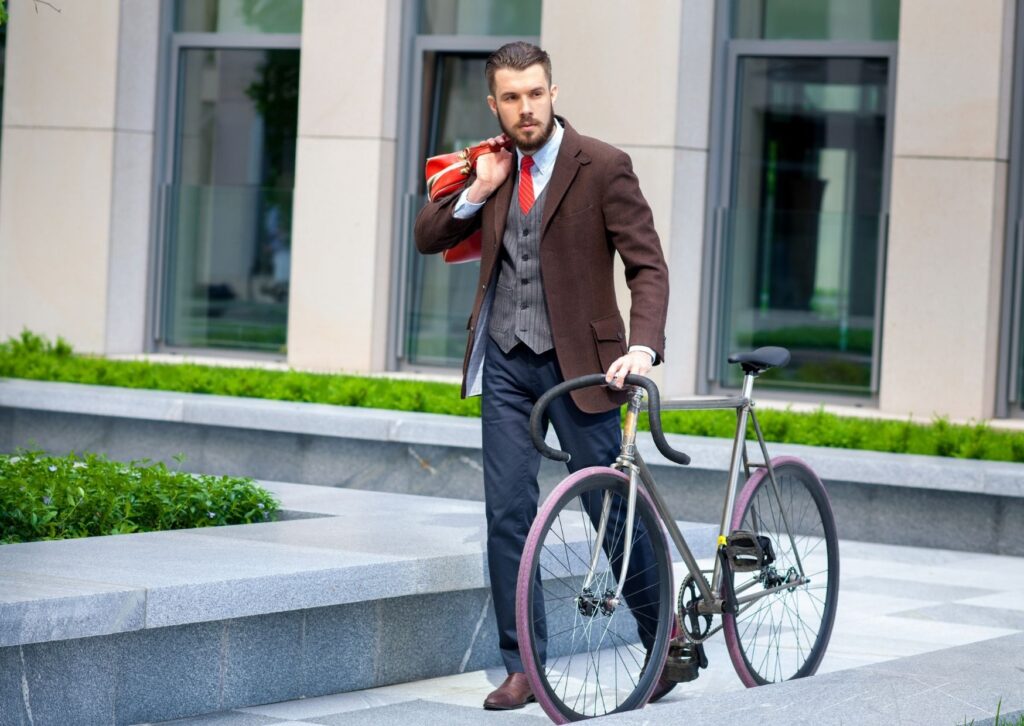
447	174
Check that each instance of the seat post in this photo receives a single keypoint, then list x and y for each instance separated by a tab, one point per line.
748	385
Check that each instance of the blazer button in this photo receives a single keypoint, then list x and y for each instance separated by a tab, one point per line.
620	336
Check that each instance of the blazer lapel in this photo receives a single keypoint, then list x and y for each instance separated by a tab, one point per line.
566	166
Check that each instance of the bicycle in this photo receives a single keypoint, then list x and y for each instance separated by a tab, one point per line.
595	606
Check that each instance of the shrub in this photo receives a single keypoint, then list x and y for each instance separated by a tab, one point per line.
45	497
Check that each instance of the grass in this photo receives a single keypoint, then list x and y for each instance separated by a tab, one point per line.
46	497
1017	720
32	357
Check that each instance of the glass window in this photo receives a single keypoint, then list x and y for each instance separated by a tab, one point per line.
480	17
815	19
441	296
229	252
804	222
238	16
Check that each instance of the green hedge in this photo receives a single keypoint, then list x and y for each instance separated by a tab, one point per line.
33	357
45	497
30	356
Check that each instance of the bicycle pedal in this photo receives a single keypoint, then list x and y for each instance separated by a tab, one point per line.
747	551
684	662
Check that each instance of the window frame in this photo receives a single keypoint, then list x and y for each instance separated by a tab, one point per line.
727	54
165	149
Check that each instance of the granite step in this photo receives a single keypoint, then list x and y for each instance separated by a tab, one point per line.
356	589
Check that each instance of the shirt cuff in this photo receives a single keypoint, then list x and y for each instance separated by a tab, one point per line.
645	349
464	209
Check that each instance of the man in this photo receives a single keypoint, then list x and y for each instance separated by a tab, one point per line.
552	214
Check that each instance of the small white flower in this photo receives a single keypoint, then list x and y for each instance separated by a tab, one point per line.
260	505
53	468
211	515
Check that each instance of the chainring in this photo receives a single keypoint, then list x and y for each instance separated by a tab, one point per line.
696	626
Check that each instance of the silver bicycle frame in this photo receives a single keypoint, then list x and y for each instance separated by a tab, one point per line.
629	460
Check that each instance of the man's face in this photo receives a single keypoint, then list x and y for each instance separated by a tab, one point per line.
524	105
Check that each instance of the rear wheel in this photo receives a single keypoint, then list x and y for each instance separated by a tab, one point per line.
784	635
583	652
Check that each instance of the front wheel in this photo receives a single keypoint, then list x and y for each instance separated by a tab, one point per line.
585	653
784	634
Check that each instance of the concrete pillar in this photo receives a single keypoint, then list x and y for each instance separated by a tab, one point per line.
945	250
638	76
344	186
76	172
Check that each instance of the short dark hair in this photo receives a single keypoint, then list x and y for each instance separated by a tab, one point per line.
518	56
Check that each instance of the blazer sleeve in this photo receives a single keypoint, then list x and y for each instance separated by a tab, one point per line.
437	229
629	225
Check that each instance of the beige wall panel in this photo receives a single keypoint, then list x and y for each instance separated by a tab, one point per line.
62	66
383	298
334	261
616	65
953	64
345	45
939	341
695	59
54	232
128	277
137	65
685	263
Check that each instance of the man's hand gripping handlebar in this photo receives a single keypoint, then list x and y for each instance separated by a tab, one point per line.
597	379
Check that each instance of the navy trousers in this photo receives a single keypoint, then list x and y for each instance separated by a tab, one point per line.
512	383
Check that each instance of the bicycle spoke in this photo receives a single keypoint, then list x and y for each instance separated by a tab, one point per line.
783	634
595	653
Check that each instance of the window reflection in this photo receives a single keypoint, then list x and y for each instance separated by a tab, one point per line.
238	16
804	226
229	256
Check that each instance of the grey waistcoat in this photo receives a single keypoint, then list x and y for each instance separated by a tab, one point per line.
520	312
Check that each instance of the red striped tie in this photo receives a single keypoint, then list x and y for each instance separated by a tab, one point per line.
525	184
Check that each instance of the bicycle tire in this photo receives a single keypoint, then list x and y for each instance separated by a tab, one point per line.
594	662
774	640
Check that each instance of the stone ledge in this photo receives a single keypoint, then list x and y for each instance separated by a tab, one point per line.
860	467
953	686
364	546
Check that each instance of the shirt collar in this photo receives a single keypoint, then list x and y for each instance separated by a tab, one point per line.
544	157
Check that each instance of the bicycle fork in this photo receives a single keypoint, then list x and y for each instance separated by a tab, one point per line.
625	461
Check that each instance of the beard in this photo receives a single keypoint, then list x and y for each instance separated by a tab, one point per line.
529	145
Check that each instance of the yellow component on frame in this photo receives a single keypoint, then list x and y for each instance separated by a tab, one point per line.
722	540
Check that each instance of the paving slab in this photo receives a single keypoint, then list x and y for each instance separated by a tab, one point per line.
952	686
873	628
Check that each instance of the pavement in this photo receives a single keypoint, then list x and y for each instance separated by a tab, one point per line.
899	609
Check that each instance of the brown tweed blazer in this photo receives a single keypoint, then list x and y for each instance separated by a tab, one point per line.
594	208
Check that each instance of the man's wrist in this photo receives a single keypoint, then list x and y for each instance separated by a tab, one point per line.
644	349
478	192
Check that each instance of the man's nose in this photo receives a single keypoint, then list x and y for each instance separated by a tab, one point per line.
525	109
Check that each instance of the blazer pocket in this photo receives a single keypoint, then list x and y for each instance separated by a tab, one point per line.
609	339
570	217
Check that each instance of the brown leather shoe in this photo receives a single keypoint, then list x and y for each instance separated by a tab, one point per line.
515	692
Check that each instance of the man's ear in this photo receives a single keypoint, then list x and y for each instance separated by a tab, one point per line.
493	104
554	93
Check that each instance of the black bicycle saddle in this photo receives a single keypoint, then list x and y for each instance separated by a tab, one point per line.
762	359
